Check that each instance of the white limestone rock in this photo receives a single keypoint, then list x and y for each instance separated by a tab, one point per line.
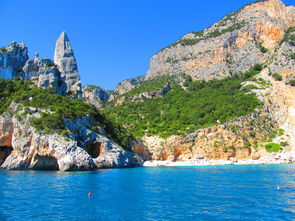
22	147
12	59
44	73
65	60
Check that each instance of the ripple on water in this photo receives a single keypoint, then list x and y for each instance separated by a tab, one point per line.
178	193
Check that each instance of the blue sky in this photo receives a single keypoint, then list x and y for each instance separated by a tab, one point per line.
113	39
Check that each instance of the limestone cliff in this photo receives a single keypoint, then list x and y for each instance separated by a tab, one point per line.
65	60
259	33
284	57
22	147
232	45
44	73
61	74
12	59
98	96
127	85
243	138
95	95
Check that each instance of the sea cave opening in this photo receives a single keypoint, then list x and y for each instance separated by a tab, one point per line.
45	163
4	153
95	149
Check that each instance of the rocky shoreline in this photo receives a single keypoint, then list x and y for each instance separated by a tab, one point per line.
281	157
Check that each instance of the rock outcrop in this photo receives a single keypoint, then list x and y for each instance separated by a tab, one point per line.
44	73
95	95
235	139
232	45
12	59
98	96
127	85
284	57
65	60
61	74
22	147
141	97
243	138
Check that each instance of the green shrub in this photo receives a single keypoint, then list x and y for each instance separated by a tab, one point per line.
292	83
250	87
273	147
276	133
280	132
155	84
200	35
262	48
58	108
257	67
3	50
181	111
277	76
289	36
284	144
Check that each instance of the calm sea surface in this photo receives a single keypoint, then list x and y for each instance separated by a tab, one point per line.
253	192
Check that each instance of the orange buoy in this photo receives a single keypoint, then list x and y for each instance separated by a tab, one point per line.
89	194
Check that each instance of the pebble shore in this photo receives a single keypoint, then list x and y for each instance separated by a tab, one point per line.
276	158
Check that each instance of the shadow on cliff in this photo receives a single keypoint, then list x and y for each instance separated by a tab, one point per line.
119	134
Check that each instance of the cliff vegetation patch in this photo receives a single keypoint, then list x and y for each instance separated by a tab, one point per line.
183	110
54	109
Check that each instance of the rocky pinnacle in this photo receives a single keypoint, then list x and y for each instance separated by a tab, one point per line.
67	64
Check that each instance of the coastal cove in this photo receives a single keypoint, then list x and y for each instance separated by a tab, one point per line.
275	158
198	122
223	95
248	192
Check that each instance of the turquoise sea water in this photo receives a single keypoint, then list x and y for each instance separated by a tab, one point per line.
179	193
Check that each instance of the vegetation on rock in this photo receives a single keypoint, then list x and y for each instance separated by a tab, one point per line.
54	109
199	36
92	88
262	48
273	147
292	83
184	110
289	36
277	76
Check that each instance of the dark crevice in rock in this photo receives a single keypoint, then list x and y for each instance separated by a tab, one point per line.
4	153
95	149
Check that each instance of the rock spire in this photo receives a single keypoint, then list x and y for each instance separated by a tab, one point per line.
65	60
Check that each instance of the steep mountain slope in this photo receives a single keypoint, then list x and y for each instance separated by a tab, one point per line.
42	123
222	93
43	130
61	74
232	45
216	102
179	108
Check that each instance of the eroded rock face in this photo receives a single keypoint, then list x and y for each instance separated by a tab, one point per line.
284	61
12	59
65	60
217	142
14	62
95	95
127	85
141	97
243	138
44	73
232	45
22	147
